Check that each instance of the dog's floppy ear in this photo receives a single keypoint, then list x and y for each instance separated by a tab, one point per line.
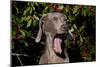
41	28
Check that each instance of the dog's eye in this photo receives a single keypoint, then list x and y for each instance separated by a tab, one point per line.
64	20
55	18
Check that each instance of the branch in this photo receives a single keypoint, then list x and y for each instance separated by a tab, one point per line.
19	57
15	54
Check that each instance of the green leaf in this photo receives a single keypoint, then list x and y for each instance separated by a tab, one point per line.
27	10
72	29
13	33
67	10
36	4
33	8
28	33
75	26
85	11
13	47
61	7
17	9
81	39
22	33
31	11
34	23
71	18
26	44
22	19
28	3
29	23
46	8
27	18
75	10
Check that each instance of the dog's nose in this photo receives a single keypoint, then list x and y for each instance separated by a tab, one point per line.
64	26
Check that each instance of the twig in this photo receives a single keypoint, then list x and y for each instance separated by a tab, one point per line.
15	54
19	60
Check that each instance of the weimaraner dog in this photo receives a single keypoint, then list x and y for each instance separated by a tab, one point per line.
54	26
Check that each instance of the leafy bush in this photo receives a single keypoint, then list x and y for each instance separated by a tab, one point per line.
25	20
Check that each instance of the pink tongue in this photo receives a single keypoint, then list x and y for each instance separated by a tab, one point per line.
57	45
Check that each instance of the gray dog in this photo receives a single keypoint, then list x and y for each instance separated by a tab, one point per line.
54	26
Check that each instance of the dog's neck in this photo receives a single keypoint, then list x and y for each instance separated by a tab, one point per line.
49	42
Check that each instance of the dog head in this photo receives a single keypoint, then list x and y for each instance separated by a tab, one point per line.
56	25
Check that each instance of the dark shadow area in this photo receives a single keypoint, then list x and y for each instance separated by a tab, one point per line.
74	54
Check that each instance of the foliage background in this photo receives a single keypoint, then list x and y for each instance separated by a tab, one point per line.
24	22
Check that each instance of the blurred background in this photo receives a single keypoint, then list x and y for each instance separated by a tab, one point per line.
25	24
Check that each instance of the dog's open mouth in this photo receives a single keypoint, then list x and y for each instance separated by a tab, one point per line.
58	40
57	43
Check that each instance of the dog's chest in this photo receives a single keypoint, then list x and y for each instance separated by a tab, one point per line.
50	57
